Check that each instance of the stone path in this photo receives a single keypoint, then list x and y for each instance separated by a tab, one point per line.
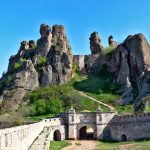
41	142
82	145
98	101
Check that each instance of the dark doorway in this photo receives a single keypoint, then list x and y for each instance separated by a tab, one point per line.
86	133
57	135
124	137
106	134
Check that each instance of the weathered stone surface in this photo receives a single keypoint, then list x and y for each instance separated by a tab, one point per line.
95	43
24	45
111	42
61	66
27	77
48	62
133	60
44	43
45	30
11	98
46	76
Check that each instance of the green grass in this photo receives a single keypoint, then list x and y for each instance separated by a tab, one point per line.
101	87
130	145
108	50
59	98
58	145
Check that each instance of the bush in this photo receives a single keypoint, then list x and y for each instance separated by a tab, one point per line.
40	106
41	61
54	106
109	50
74	68
18	64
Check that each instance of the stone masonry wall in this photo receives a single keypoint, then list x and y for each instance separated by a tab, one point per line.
135	126
21	137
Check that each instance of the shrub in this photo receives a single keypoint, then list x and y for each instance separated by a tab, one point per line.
8	79
40	107
18	64
109	50
33	47
41	61
54	106
74	68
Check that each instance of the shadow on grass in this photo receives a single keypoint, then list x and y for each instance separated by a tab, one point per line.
113	141
97	83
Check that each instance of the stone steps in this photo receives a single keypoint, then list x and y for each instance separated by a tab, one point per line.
41	142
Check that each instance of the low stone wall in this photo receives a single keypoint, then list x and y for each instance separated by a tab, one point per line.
21	137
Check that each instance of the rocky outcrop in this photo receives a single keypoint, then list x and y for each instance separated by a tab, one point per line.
60	56
95	43
46	76
133	61
111	42
42	63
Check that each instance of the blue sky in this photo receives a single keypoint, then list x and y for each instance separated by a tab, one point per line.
20	20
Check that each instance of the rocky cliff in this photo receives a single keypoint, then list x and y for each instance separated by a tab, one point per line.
42	63
49	61
130	62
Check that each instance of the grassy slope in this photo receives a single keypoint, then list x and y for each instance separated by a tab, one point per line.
131	145
58	145
101	87
98	85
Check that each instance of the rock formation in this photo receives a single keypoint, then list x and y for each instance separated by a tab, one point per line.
133	61
49	61
42	64
95	43
111	42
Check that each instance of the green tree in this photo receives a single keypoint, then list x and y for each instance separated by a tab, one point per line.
54	106
40	106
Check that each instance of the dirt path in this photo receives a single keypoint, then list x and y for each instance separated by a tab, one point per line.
95	100
82	145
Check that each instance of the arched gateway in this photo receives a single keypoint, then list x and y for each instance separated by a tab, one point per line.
57	135
86	133
87	125
84	125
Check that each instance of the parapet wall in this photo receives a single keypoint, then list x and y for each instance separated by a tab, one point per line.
21	137
132	118
53	122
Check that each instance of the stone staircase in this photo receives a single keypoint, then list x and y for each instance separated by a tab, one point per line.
41	142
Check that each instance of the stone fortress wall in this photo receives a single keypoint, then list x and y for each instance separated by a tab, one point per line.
22	137
130	127
105	126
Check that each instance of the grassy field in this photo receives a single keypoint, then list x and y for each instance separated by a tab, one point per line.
58	145
130	145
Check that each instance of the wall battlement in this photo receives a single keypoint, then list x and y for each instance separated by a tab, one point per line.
132	118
